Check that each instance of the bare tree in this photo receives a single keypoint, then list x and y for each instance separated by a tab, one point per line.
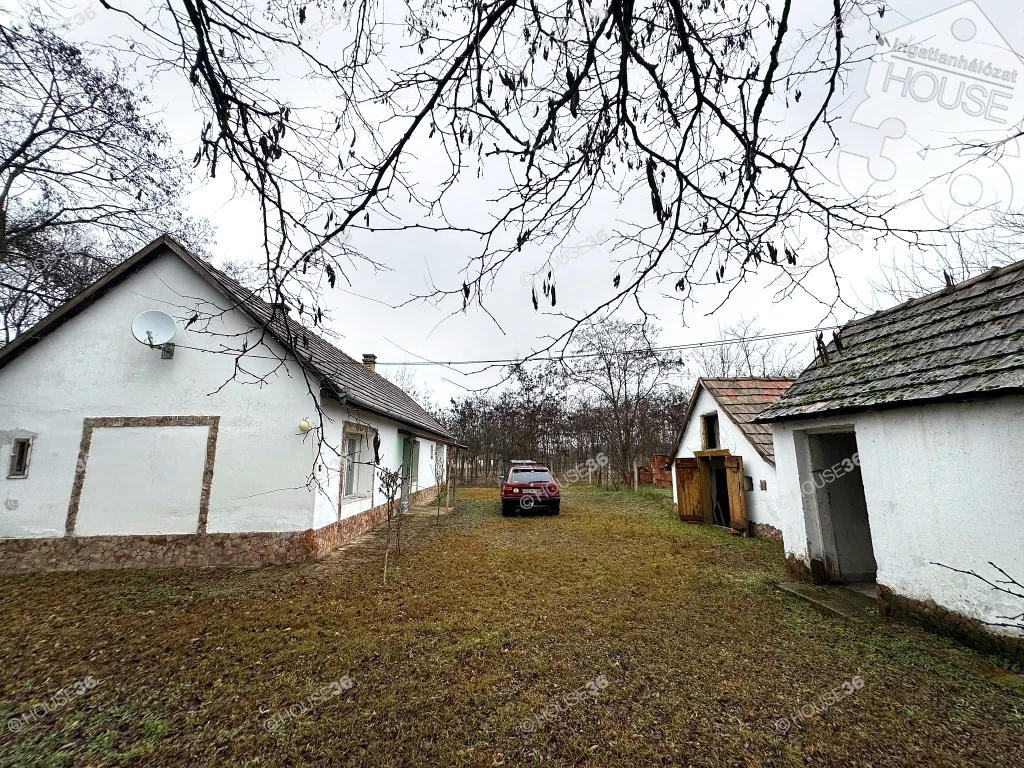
924	270
613	363
390	487
440	474
1006	585
744	353
404	377
672	108
86	177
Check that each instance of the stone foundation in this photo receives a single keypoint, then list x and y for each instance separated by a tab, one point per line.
187	550
943	621
766	531
814	573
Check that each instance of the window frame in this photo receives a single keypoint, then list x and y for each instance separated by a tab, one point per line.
23	474
363	471
711	436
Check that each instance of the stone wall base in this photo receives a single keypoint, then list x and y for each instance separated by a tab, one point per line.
814	573
946	622
766	531
187	550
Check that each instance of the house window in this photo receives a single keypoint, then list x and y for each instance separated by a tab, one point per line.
710	423
748	483
358	459
20	453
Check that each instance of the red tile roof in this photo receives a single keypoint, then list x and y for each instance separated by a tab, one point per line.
742	400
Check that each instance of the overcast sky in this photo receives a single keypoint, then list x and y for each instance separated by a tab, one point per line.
893	136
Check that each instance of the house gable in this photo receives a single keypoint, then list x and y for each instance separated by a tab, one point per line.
88	392
349	380
741	400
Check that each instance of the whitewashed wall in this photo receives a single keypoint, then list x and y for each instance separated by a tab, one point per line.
943	483
147	480
91	366
759	503
326	510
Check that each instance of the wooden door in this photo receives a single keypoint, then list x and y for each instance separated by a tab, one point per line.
688	492
737	496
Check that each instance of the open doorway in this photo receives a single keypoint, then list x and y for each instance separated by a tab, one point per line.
842	508
719	490
710	489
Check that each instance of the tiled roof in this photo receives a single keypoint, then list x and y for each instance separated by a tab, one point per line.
742	400
962	342
343	374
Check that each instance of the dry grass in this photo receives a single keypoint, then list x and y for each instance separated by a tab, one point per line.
489	620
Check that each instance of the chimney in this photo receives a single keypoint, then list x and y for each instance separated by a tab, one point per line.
370	361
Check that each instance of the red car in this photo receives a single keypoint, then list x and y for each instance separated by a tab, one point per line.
529	487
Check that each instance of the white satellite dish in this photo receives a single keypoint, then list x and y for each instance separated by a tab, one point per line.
156	329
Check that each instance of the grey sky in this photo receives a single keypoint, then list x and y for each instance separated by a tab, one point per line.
892	133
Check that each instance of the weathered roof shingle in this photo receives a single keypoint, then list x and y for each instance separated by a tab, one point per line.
345	375
742	400
962	342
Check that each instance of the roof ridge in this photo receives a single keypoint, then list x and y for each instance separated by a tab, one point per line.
988	274
964	341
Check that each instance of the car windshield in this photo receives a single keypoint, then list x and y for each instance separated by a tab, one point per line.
531	476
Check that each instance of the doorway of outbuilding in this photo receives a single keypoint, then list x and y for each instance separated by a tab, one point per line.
719	491
842	507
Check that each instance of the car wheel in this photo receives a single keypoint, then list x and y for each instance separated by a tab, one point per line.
554	508
507	510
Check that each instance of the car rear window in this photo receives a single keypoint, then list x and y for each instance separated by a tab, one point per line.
531	476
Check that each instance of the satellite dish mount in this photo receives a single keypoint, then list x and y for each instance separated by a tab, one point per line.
155	329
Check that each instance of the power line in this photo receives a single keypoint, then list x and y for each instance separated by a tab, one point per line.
647	350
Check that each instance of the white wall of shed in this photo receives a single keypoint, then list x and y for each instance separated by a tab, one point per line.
943	484
760	508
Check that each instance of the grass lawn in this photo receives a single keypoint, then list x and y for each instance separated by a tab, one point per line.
611	635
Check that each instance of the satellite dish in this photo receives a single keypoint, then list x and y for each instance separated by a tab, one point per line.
154	328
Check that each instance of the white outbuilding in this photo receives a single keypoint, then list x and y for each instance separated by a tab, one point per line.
900	460
724	465
247	439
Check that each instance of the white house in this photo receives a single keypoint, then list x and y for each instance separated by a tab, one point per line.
724	467
255	441
899	452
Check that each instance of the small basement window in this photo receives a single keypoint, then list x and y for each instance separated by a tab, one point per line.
20	453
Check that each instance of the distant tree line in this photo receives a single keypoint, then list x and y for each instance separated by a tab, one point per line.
539	418
612	392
